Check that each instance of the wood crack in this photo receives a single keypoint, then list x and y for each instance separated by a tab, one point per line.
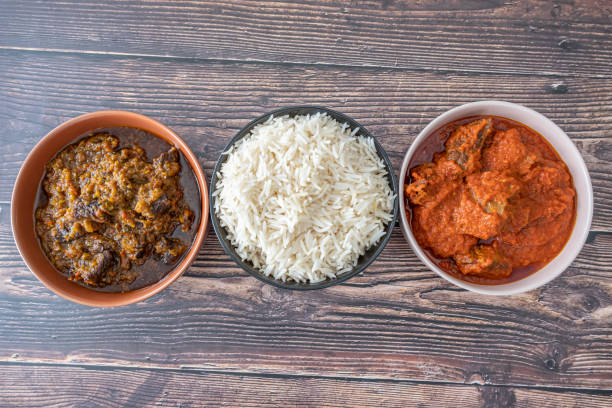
202	371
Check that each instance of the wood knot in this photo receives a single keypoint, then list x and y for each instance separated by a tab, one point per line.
574	301
556	354
551	364
567	43
590	303
559	88
476	378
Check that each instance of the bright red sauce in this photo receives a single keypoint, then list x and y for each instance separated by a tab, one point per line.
489	199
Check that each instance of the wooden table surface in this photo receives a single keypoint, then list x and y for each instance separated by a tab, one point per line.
397	335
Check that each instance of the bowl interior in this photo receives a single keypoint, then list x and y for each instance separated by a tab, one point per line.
568	153
363	261
26	189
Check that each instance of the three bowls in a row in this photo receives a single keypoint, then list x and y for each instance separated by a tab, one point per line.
33	169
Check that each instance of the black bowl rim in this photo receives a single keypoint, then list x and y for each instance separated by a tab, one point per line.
228	247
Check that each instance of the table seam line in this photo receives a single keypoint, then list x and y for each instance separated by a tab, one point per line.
301	64
202	371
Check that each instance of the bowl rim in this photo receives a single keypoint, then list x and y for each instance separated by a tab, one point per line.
100	298
296	110
503	289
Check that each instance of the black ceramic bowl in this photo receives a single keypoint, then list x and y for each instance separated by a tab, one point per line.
364	260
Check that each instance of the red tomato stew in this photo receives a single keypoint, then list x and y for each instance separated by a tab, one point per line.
489	199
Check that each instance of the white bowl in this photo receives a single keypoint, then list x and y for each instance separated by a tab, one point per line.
570	155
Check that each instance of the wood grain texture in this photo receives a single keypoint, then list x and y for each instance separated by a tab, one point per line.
207	103
60	386
397	335
396	321
531	37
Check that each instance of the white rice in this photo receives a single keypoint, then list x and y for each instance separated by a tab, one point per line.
302	198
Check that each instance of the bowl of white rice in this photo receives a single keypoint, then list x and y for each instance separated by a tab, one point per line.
303	198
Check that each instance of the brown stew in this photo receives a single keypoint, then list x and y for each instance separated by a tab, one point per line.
489	199
110	207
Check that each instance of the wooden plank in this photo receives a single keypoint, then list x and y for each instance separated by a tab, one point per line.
531	37
58	386
206	103
396	321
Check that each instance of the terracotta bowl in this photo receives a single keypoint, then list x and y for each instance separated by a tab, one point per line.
24	200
